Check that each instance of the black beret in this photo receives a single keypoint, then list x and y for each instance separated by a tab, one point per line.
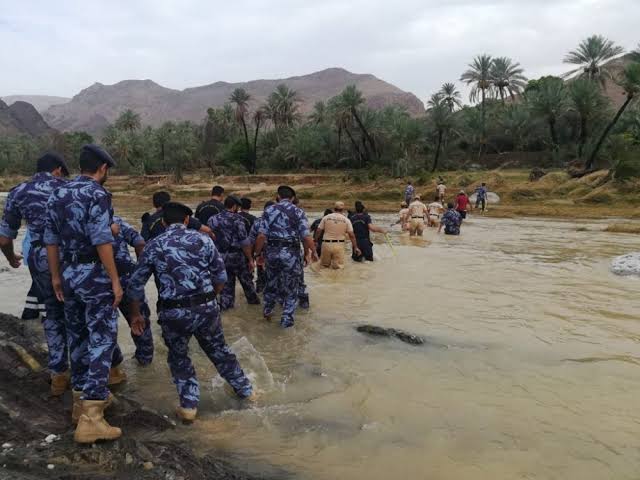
177	207
50	161
287	187
235	199
98	153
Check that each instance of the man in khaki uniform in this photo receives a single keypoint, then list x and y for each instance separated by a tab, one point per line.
417	213
334	228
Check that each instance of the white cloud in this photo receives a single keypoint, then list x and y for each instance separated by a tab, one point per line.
59	48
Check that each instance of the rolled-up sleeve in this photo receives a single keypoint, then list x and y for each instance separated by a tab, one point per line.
141	274
11	217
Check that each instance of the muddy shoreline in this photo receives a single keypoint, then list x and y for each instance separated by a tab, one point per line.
36	439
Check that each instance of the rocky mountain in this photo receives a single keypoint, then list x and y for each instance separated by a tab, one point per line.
40	102
22	118
97	106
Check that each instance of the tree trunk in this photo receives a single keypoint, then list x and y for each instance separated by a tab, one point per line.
583	136
339	143
437	157
355	144
502	95
249	165
552	132
484	118
604	135
368	137
255	146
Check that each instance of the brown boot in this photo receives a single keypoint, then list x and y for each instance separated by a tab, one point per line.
59	383
92	426
116	375
186	414
77	405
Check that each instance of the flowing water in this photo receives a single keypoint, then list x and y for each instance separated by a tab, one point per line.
531	368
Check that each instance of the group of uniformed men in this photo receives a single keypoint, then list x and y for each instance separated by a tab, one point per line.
79	259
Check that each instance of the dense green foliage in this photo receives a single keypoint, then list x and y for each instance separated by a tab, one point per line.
547	121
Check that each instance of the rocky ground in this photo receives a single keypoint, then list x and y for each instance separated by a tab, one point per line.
36	438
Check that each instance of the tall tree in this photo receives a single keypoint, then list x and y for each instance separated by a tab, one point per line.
451	96
479	76
352	99
319	113
630	83
240	98
549	100
587	100
442	118
507	77
128	121
283	105
592	56
515	121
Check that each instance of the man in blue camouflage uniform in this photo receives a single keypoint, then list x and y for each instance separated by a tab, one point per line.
409	192
253	236
282	228
79	231
190	272
451	221
232	241
28	201
125	235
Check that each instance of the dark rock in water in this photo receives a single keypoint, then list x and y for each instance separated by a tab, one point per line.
391	332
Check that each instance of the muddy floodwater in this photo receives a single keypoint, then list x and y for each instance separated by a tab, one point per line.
531	368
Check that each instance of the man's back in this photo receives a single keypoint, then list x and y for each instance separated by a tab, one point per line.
435	208
417	209
360	223
335	226
462	201
230	230
284	221
208	209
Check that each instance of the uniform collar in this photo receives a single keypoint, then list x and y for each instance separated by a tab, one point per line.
285	200
42	175
176	226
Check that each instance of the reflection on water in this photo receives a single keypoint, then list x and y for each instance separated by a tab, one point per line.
539	377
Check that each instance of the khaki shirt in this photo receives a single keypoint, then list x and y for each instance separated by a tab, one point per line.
404	213
417	209
435	208
335	226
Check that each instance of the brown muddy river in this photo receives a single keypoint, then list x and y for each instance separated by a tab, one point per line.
531	369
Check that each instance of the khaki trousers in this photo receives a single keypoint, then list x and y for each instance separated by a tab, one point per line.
332	255
416	227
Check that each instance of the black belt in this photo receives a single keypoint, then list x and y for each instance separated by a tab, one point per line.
283	242
333	241
187	302
418	217
77	258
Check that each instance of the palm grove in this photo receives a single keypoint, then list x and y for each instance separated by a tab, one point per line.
556	121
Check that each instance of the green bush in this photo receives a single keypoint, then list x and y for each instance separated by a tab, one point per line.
628	167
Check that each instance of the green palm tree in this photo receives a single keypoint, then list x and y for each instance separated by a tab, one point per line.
479	76
592	56
240	98
319	114
587	100
515	120
353	100
549	100
439	113
284	105
507	77
630	83
451	96
128	121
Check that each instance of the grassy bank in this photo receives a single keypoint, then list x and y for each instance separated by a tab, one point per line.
554	195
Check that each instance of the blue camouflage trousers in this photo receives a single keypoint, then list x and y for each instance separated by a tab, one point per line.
260	279
144	342
92	327
55	330
203	322
236	266
283	278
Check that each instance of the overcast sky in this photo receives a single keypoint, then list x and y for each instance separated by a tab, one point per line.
60	47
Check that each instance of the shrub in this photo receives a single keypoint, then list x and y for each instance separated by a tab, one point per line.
628	167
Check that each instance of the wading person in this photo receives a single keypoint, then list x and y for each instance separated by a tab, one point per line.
79	232
336	227
434	209
211	207
362	225
232	242
124	236
282	228
417	213
403	216
441	191
153	226
451	221
28	201
481	196
190	272
253	236
409	191
314	228
462	204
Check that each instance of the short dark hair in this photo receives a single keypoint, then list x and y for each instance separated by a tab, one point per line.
484	184
286	192
160	198
450	205
359	206
230	201
245	203
175	213
327	211
217	191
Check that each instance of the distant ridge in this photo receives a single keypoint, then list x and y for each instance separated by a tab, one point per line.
98	105
40	102
21	118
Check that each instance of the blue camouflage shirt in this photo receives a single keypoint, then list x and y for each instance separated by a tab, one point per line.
184	262
79	216
128	236
253	233
284	221
230	230
28	201
409	191
451	221
481	192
